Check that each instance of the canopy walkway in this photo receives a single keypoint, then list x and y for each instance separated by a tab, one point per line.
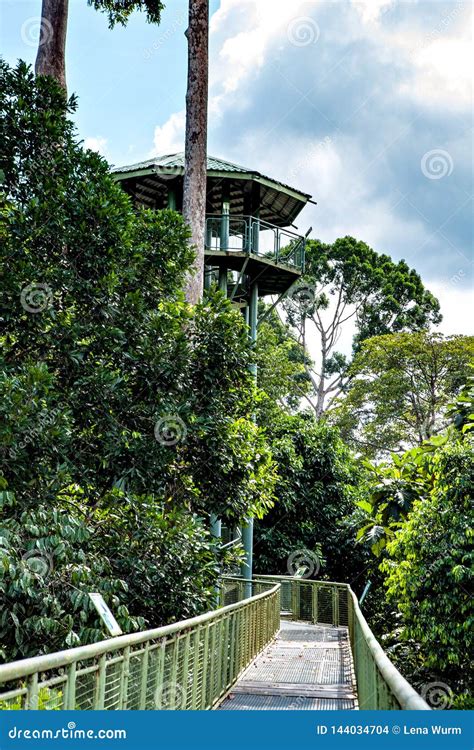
274	642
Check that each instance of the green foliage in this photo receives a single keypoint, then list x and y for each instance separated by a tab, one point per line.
48	563
400	387
429	568
391	490
388	296
165	556
281	362
314	492
348	283
119	11
49	699
126	414
461	412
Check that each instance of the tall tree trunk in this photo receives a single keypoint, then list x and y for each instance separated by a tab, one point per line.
195	154
51	57
321	393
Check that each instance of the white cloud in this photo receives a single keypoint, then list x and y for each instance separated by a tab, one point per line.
442	73
371	10
169	138
96	143
457	304
424	63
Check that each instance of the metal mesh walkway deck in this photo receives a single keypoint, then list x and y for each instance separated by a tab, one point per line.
307	667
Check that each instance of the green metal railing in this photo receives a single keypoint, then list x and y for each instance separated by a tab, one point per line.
380	686
248	234
186	665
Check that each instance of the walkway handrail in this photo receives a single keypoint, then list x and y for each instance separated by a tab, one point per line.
188	665
379	683
384	683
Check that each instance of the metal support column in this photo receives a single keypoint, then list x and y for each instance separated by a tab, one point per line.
172	198
223	280
246	568
225	224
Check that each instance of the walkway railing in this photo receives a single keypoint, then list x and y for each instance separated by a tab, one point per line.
379	684
188	665
248	234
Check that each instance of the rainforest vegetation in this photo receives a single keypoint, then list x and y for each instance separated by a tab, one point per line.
130	416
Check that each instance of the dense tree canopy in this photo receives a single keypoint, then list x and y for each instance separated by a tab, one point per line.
349	284
400	387
126	415
314	493
429	568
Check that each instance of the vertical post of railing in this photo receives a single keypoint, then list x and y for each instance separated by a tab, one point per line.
216	526
99	696
124	675
32	692
144	677
225	224
208	246
255	233
70	697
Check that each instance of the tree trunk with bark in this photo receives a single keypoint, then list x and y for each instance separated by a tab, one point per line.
51	57
195	170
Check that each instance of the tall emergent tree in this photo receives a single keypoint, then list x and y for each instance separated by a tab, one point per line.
195	169
349	284
51	56
400	387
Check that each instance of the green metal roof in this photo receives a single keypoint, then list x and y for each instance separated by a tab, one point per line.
149	181
176	162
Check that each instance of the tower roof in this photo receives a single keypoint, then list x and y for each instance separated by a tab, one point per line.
149	180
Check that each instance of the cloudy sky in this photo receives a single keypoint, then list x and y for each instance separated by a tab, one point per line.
365	104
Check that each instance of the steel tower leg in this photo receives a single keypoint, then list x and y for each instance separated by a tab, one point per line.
246	569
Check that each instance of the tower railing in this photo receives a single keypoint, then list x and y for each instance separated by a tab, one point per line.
248	234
